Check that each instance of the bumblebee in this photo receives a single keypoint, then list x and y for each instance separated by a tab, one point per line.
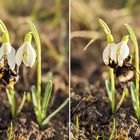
8	77
125	73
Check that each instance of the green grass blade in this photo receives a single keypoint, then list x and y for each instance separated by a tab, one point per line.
135	101
133	92
46	98
34	98
113	129
103	135
108	87
21	104
9	96
11	132
55	112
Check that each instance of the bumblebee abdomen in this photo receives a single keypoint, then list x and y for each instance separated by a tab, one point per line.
126	77
124	73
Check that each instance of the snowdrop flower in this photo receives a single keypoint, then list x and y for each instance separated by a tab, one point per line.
123	52
7	51
107	51
116	52
26	52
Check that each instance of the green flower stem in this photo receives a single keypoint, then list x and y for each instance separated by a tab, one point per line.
136	49
112	88
125	38
3	27
110	39
13	104
135	89
107	31
38	46
28	37
11	98
5	37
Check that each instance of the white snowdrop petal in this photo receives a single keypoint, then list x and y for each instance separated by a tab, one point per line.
11	58
113	52
106	55
1	52
25	54
120	62
124	51
31	55
7	48
26	60
19	54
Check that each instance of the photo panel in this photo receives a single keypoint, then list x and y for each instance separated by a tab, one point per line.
34	77
105	70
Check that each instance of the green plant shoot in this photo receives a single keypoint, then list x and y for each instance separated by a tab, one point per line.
41	104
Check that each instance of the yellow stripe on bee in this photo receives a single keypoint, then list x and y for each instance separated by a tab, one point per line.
11	83
1	75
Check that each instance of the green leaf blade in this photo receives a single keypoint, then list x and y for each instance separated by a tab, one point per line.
55	112
109	91
34	98
21	104
46	98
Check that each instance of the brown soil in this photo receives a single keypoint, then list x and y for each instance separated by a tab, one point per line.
26	127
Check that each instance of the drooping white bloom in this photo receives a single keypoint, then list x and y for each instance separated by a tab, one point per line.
123	52
107	52
7	52
116	52
27	54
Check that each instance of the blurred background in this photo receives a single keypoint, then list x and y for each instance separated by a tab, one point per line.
85	26
89	101
51	20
